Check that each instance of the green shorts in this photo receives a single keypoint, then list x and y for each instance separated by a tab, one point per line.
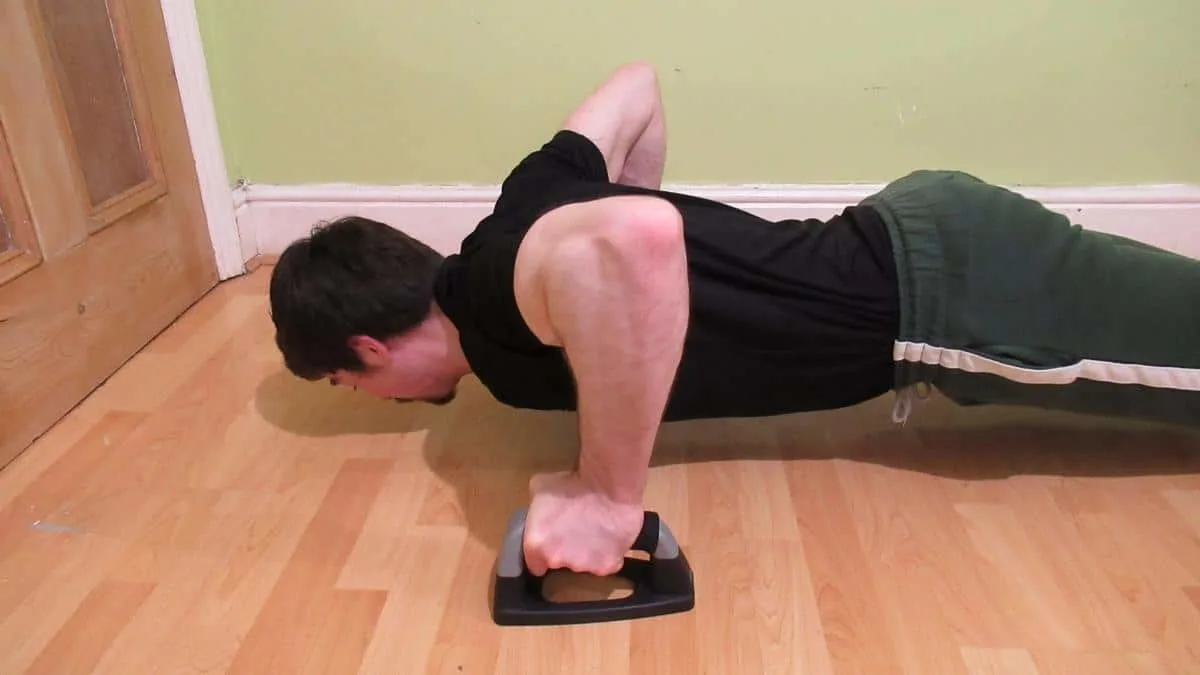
1004	301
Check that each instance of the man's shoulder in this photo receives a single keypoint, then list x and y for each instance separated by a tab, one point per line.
567	157
566	238
599	219
565	169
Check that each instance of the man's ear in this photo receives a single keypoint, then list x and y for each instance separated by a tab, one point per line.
371	352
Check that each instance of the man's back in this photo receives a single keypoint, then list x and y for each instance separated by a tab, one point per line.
784	316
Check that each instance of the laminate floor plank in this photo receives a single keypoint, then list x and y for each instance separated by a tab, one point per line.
205	512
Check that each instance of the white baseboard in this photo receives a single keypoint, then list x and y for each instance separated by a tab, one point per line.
271	217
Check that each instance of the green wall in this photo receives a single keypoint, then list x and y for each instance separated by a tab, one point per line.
1025	92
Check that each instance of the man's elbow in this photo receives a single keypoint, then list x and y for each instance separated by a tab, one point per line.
640	72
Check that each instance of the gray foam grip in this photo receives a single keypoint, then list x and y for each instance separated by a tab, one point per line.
667	546
511	561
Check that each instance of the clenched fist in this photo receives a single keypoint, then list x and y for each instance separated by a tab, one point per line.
571	525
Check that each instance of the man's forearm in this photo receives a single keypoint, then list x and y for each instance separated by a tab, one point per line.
622	313
647	159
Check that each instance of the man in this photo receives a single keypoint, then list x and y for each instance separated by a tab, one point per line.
590	289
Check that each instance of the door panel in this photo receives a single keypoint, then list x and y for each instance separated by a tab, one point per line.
102	105
106	240
19	250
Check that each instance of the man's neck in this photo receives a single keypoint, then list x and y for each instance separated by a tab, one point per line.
455	357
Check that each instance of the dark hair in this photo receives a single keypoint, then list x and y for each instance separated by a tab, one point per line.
351	276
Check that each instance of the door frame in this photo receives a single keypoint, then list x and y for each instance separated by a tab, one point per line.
195	92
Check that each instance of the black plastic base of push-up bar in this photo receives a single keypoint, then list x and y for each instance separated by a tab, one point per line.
661	585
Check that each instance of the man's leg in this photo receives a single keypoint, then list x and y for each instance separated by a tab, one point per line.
1008	302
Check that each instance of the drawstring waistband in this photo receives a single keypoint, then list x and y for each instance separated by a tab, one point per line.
903	406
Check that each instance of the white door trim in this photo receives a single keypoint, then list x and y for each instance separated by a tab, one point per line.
191	71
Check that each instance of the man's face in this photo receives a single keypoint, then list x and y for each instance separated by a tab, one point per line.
401	371
396	385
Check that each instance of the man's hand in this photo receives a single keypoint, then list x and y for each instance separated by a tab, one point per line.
572	525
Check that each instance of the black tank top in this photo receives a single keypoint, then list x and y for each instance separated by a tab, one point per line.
786	316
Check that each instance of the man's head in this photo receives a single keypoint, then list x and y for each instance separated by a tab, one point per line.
353	303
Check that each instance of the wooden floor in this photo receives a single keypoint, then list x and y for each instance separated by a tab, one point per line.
204	512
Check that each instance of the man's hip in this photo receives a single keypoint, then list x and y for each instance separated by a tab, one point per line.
1005	301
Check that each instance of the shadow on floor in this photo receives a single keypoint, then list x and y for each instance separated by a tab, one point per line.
317	409
488	452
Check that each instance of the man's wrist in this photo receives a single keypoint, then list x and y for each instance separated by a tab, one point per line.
626	490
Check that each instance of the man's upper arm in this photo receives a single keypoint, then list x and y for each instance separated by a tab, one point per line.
611	288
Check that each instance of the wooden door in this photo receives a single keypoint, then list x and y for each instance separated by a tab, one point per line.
102	235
